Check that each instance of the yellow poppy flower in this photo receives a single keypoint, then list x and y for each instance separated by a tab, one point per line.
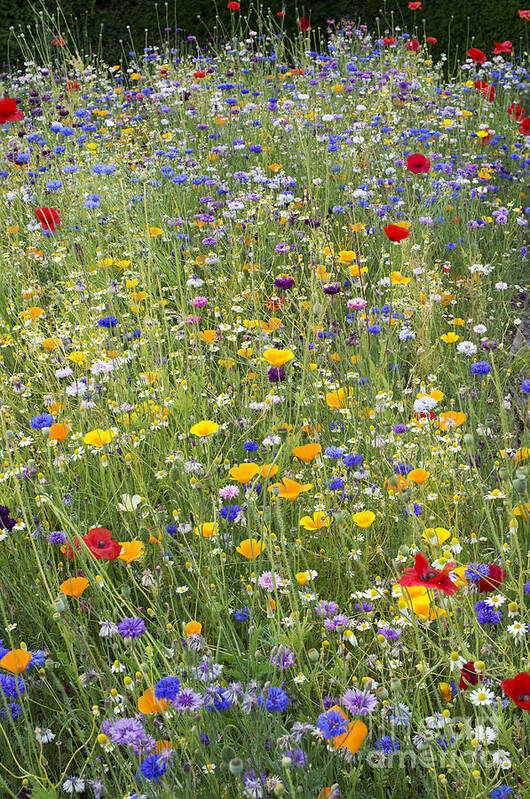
276	357
204	428
364	518
290	489
98	438
207	529
131	550
318	520
435	535
244	472
193	628
307	452
250	548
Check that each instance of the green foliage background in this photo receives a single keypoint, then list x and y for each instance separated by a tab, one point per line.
101	24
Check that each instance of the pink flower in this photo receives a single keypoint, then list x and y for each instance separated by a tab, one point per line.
199	302
357	304
228	492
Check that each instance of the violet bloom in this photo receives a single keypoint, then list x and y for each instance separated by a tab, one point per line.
282	657
332	288
187	700
131	628
284	282
276	375
128	732
325	608
360	703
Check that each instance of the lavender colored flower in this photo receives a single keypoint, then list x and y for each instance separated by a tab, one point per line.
131	627
358	702
282	657
127	732
187	699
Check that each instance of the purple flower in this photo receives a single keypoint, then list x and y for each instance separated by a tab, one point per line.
128	732
360	703
276	374
131	628
187	700
284	282
282	657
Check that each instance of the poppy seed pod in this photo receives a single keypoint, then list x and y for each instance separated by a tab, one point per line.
236	766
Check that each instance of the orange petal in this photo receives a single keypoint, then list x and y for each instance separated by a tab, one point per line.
74	586
16	660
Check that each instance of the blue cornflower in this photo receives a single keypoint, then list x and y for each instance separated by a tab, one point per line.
11	686
387	744
334	452
152	768
221	702
251	446
374	329
131	628
336	484
352	460
167	688
476	570
14	709
331	724
480	368
527	587
501	792
92	201
243	614
525	386
108	322
277	700
486	614
403	469
230	512
41	421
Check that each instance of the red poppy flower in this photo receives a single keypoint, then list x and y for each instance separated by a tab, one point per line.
389	40
101	544
502	47
50	218
431	40
233	6
200	74
58	41
518	689
485	89
424	575
9	111
468	675
524	14
477	55
72	86
495	577
280	14
303	24
517	111
418	164
524	127
396	232
413	45
415	6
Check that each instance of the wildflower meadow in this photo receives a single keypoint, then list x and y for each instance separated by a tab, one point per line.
264	379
